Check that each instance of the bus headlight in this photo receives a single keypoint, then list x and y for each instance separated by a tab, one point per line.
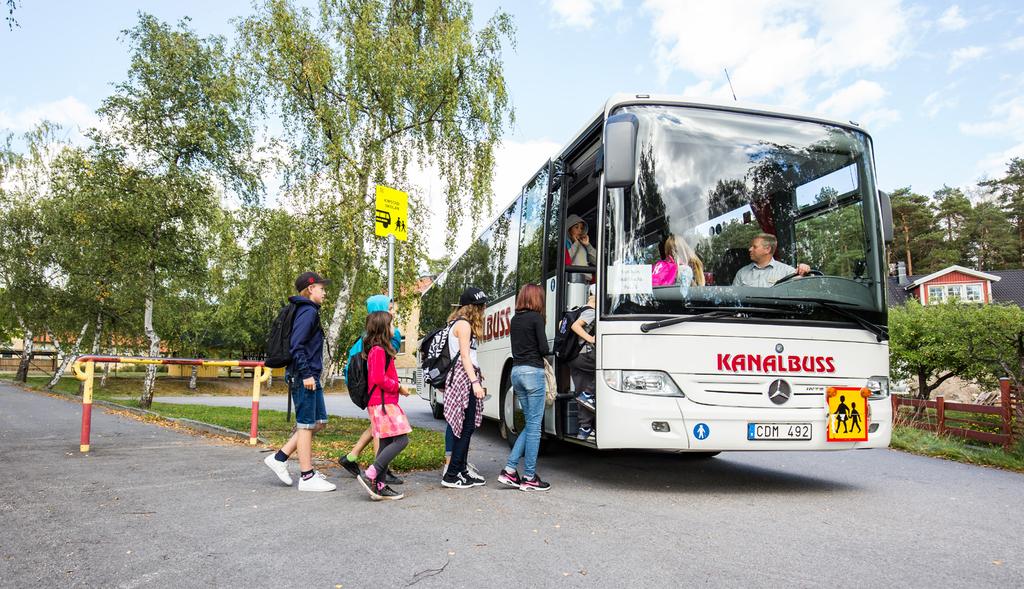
642	382
879	386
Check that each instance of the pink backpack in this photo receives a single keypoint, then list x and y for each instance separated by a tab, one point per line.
664	273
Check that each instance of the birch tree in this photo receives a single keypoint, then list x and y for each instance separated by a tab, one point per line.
183	113
365	88
26	274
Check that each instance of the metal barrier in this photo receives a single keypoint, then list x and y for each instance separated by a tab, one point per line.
84	369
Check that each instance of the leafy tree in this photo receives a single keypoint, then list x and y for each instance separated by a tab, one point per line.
12	5
27	277
364	89
184	111
935	343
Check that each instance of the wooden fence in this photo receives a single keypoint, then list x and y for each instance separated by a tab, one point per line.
971	429
40	362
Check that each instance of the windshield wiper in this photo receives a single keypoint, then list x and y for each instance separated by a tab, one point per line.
881	332
713	313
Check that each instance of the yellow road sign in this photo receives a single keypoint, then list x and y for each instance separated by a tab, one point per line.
391	216
847	414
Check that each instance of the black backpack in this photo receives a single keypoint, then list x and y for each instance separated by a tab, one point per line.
357	379
279	352
435	356
567	343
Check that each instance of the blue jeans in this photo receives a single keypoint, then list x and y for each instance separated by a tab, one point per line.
528	384
449	440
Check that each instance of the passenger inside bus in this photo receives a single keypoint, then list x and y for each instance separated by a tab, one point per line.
764	270
578	249
678	265
584	368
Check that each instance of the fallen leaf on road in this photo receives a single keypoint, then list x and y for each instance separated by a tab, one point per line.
997	562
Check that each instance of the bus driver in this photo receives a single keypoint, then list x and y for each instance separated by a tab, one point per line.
764	270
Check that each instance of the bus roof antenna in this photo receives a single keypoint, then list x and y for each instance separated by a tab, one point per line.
731	89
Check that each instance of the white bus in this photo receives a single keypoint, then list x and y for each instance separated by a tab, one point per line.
706	366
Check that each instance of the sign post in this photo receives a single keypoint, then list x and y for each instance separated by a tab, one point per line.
390	219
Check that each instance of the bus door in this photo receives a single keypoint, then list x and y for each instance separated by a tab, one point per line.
574	195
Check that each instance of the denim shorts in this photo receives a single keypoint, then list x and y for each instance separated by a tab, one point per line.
310	408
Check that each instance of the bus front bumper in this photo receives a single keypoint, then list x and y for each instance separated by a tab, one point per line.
675	423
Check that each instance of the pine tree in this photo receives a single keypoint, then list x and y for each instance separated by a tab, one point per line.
1010	190
952	211
915	231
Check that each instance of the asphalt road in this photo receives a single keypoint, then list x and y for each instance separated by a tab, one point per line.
153	506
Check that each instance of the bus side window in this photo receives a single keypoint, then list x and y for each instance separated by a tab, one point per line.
531	237
554	227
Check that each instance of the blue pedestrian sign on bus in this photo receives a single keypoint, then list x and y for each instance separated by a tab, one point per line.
701	431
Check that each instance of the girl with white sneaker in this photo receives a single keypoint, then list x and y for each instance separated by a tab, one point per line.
464	391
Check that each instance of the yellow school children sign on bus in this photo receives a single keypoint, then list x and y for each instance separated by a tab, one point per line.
391	216
847	414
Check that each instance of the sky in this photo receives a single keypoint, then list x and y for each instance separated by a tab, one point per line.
939	85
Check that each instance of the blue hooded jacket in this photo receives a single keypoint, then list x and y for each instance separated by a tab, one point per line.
373	304
307	341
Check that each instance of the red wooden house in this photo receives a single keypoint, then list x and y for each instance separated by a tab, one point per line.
958	283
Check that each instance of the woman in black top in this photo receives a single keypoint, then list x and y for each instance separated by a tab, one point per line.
529	347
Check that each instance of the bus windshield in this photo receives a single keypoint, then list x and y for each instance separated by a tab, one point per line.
728	206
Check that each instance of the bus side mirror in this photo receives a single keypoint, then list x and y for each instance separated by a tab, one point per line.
885	204
620	150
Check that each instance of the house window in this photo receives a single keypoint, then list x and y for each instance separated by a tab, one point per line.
971	293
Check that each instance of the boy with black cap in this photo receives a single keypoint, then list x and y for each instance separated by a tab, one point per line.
303	378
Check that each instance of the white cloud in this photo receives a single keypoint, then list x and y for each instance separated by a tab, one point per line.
69	113
951	20
861	101
938	101
966	54
579	14
1007	119
994	165
774	48
852	99
1014	44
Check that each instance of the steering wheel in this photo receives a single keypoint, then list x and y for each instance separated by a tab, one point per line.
811	272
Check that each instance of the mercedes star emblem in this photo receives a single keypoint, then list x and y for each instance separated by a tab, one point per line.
779	392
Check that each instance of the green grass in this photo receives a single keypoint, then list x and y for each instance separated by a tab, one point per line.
926	443
424	452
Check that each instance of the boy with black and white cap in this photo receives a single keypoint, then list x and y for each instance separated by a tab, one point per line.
303	378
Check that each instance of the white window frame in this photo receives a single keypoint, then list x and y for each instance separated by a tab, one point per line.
939	293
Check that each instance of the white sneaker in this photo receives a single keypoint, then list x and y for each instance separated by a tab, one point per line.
279	468
473	471
317	483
